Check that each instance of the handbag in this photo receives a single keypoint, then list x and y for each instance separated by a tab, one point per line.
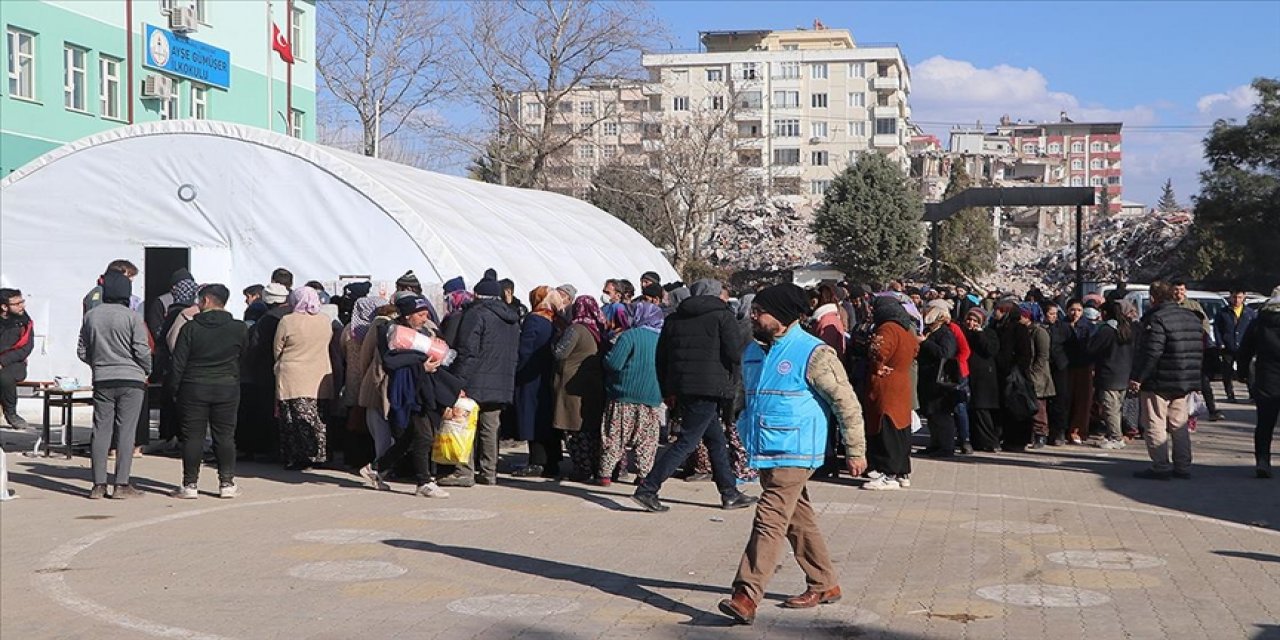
948	375
1019	396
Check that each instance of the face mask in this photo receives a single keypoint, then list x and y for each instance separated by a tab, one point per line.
605	299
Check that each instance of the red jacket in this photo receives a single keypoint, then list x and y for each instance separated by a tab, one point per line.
962	348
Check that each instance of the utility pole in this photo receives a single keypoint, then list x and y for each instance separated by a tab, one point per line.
1079	252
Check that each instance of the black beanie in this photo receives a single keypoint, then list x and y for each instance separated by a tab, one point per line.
488	288
652	291
786	302
116	288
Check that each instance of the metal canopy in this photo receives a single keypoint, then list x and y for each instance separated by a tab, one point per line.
1009	197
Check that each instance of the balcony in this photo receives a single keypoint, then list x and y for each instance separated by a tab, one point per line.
652	88
885	83
787	170
885	140
886	111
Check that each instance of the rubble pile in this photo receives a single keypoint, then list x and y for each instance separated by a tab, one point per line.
768	236
1140	249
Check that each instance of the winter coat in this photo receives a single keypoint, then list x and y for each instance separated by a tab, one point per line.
17	339
1040	373
1077	346
1113	362
488	346
984	384
1168	358
115	344
374	381
829	327
259	353
632	375
1262	343
535	366
1230	330
579	382
936	349
352	370
1059	335
890	396
698	351
301	348
208	351
963	352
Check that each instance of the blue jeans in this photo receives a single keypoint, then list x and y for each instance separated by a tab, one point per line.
699	422
962	410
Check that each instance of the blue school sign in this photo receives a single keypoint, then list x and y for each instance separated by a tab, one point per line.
182	56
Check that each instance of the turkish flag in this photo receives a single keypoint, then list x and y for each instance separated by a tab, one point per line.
281	44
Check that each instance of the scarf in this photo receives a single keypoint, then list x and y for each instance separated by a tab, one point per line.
305	300
586	312
540	300
456	300
618	314
184	292
888	309
362	316
648	316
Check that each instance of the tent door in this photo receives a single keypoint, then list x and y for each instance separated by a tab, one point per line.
159	265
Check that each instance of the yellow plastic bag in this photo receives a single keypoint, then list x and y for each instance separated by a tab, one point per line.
457	434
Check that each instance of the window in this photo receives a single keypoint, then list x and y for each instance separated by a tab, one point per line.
819	187
611	128
680	103
818	71
748	71
297	123
74	77
857	70
1077	181
610	151
786	99
631	127
1029	149
857	99
169	106
818	129
790	47
717	103
533	110
535	130
786	157
1055	147
199	101
818	158
788	70
586	128
715	75
1077	165
1095	164
109	87
680	76
750	100
786	128
586	152
886	126
1113	180
582	173
818	100
858	128
1096	147
166	6
586	108
202	11
1096	181
22	63
1077	147
296	33
853	156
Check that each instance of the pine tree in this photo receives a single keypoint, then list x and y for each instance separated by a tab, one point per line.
869	222
1168	202
966	242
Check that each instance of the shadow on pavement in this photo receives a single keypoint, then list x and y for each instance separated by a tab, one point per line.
816	632
607	499
1249	555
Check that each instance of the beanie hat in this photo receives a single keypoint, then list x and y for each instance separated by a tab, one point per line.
408	280
411	304
275	293
651	276
488	288
490	274
116	288
652	291
454	284
179	276
569	290
786	302
977	312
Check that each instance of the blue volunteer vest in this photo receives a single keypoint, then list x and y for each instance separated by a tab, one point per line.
785	422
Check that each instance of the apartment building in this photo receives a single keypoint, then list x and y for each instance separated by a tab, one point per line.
807	101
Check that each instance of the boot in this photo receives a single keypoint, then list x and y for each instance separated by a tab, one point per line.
1040	442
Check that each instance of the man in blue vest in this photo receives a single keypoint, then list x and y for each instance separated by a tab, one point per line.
794	384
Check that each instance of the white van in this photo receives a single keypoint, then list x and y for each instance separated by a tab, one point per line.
1211	302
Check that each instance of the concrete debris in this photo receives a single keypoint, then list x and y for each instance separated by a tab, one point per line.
768	236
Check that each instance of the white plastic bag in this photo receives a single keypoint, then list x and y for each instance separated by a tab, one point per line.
916	424
1195	405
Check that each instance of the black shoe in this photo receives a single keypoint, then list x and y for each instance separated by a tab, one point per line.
1217	416
698	477
740	501
650	502
1039	442
1152	474
16	421
531	471
486	480
966	449
456	480
1182	475
297	466
551	472
1262	474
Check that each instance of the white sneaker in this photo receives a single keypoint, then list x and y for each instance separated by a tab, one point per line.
883	483
1112	444
904	481
228	491
432	490
873	475
374	478
186	492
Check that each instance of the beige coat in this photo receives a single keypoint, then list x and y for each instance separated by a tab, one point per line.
303	369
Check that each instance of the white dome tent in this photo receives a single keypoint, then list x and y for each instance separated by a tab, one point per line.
237	202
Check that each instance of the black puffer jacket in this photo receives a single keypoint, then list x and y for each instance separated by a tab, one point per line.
488	346
1168	358
698	351
1262	342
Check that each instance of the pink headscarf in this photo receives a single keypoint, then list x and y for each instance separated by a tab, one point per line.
305	300
587	313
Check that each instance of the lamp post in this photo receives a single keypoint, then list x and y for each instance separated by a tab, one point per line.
1079	251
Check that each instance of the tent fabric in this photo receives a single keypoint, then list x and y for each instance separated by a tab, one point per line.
245	201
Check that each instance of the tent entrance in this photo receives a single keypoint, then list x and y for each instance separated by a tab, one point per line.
159	263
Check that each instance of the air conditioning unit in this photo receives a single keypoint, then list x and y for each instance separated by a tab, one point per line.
182	19
157	87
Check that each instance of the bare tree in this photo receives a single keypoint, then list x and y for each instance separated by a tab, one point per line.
387	60
548	48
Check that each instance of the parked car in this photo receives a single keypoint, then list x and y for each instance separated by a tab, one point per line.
1211	302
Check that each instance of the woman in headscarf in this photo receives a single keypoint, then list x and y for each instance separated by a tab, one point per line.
892	350
454	301
938	399
617	317
304	377
984	385
632	419
579	386
359	450
534	401
181	310
828	323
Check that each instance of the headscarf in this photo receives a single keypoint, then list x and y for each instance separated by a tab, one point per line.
936	315
184	291
540	300
305	300
586	312
889	309
362	316
1032	311
677	295
706	287
648	316
618	314
456	300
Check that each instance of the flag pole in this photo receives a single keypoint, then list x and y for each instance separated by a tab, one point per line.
271	79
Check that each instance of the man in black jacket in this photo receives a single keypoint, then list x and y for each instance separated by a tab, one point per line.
206	378
1230	326
487	345
1166	369
17	337
698	359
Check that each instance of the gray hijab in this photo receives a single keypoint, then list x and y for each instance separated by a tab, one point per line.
706	287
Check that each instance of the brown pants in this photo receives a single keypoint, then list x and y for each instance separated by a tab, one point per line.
1082	396
784	512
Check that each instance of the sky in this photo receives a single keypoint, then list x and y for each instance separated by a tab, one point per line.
1167	70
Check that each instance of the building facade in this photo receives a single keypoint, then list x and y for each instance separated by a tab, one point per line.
76	67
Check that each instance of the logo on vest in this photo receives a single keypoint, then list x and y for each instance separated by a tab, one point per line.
784	367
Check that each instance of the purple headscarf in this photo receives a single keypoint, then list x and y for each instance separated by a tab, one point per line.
305	300
618	314
456	300
647	315
362	315
586	312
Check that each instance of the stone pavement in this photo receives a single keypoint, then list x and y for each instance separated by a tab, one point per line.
1061	544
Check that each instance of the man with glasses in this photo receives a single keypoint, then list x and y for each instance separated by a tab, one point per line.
17	337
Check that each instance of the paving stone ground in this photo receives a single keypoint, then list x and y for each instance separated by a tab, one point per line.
1061	544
